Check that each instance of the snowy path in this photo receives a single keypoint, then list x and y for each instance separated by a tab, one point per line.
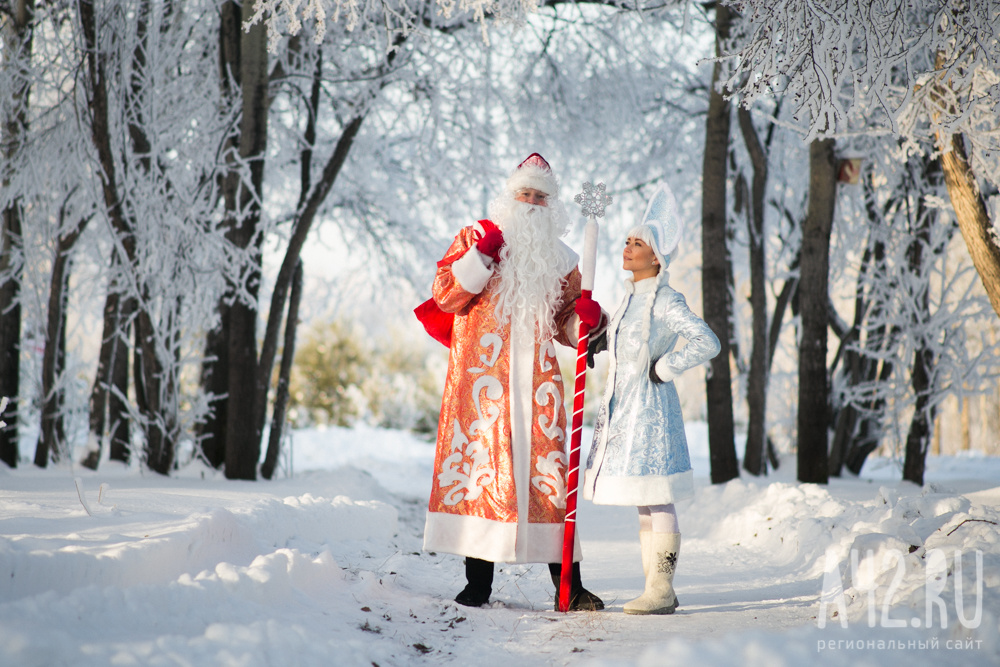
744	591
706	575
724	589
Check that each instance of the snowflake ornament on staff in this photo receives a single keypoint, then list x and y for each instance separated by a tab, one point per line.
593	200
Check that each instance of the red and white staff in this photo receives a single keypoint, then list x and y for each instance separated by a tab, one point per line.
593	200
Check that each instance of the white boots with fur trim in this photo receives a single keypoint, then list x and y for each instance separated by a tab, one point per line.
659	561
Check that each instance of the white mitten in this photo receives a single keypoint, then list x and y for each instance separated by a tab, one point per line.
663	371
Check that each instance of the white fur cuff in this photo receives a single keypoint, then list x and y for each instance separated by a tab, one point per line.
663	371
471	272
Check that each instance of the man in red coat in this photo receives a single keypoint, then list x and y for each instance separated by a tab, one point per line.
499	488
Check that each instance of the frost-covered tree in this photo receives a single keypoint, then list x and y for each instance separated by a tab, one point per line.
112	136
769	194
923	71
909	346
394	17
143	80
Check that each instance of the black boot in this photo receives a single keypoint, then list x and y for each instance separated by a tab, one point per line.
479	574
580	599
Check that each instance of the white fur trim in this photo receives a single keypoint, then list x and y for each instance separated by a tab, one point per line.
471	271
663	371
609	389
642	287
569	258
532	176
638	490
521	400
494	540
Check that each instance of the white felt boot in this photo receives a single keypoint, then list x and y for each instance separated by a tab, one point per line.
644	549
659	597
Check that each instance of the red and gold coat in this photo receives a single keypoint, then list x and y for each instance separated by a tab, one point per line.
499	487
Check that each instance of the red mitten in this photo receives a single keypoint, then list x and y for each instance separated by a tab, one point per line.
588	311
491	243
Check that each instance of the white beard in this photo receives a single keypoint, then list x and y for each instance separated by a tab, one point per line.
528	282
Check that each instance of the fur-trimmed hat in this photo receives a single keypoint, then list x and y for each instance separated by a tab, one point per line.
535	173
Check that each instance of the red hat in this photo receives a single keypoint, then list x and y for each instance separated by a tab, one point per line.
534	172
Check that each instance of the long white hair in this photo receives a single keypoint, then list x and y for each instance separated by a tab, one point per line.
528	283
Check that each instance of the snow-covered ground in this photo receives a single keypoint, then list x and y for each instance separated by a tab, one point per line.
116	567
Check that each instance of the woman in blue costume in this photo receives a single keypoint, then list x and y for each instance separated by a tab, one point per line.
640	454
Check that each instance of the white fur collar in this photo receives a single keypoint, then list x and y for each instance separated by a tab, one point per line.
643	286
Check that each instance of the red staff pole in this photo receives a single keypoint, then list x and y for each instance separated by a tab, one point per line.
573	472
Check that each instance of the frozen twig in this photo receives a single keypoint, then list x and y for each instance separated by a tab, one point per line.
967	521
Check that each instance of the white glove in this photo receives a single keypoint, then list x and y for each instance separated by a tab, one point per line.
663	372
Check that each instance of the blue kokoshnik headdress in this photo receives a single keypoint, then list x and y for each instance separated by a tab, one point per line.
664	223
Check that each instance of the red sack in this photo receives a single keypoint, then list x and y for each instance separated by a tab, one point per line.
436	322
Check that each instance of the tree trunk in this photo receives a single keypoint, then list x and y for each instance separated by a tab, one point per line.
295	244
52	431
755	458
118	419
291	321
109	418
215	367
10	331
311	198
860	426
846	415
159	362
281	393
963	190
922	376
17	48
921	426
786	297
971	214
155	393
243	414
918	439
718	385
215	384
148	371
813	408
868	431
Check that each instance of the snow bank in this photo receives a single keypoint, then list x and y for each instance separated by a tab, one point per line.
151	531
